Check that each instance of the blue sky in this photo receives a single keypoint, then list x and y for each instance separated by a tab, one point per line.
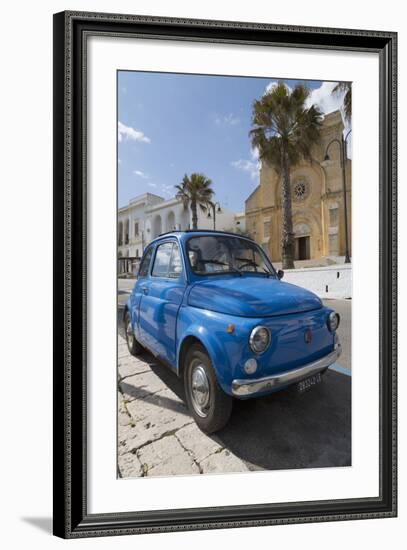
174	124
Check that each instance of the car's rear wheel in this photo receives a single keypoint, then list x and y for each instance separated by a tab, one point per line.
210	406
132	344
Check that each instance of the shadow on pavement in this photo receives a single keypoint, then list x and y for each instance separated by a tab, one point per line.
291	430
161	400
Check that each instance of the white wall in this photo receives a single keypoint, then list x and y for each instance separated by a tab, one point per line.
137	211
224	220
26	169
182	219
133	214
326	282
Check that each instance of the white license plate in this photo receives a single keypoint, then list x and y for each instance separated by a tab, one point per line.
308	383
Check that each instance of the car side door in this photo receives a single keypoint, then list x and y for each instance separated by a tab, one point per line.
161	300
142	285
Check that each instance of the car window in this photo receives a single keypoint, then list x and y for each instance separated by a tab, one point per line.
219	254
162	260
145	263
175	268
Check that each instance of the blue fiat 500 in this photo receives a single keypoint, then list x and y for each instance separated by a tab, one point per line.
211	306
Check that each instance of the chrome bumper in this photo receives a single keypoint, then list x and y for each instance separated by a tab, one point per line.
242	388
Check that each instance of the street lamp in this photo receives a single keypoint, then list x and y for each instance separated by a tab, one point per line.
215	208
342	147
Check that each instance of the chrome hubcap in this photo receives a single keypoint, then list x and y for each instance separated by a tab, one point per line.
200	390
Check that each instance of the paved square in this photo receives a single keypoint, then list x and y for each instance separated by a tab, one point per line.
158	437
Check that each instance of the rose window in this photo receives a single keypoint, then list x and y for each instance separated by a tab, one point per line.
300	190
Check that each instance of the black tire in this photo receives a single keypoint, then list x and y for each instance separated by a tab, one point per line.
214	412
132	345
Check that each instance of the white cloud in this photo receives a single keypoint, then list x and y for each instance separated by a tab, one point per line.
325	99
140	174
329	102
255	154
272	85
322	96
252	167
167	190
128	133
226	120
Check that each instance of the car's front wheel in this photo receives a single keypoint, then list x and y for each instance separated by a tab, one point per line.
132	344
210	406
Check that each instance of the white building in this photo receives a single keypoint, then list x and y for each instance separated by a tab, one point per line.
131	228
148	216
240	222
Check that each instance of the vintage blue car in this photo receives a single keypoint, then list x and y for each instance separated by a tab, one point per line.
211	306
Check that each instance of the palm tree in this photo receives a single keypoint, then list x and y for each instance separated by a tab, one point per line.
284	131
347	98
195	191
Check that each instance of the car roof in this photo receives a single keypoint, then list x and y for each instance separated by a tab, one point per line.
182	235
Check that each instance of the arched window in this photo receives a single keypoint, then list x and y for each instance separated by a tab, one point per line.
170	225
157	226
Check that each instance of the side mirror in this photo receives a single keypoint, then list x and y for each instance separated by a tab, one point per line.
280	273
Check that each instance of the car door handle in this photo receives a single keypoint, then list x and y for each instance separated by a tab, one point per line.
144	289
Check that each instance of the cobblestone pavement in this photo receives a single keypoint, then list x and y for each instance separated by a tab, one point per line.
157	436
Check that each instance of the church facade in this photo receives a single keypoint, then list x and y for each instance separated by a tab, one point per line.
317	202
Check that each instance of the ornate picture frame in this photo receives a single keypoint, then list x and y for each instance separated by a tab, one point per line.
71	516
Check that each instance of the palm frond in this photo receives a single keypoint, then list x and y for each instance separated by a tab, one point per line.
195	190
281	122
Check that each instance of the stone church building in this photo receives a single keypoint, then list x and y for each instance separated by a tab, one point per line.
317	202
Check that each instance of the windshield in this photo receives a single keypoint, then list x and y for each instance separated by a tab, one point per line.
217	254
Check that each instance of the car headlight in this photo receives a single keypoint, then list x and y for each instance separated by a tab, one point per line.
333	321
260	339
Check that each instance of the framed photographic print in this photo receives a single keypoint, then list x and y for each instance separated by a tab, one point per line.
224	274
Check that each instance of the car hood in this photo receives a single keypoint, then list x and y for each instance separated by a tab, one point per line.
251	296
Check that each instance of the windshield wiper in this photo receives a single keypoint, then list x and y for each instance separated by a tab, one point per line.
254	264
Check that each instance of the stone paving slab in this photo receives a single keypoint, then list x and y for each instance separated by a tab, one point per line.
154	417
129	366
141	385
224	461
166	457
130	466
122	351
196	442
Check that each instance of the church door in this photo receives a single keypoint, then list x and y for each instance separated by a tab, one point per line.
302	248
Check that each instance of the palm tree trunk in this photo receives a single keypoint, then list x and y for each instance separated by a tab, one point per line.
194	215
287	235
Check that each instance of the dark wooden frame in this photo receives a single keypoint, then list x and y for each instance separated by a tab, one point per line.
71	518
